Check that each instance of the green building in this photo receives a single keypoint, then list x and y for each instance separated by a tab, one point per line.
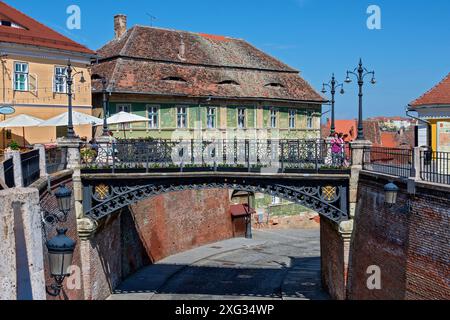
192	84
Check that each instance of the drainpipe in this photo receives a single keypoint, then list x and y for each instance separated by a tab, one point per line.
423	121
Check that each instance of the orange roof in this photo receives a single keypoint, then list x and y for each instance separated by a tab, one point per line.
438	95
31	32
346	127
389	140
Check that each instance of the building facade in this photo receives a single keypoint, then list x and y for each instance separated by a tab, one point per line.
198	85
433	109
33	80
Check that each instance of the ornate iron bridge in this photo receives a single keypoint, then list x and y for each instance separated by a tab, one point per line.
306	172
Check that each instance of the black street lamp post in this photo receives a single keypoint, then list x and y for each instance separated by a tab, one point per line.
333	85
70	130
360	72
104	102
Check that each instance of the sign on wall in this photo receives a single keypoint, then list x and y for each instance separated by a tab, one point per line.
7	110
443	138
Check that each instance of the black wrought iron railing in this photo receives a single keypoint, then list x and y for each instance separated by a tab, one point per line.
8	171
30	167
391	161
220	155
435	166
56	159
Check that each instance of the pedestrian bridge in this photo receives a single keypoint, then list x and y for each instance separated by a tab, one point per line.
307	172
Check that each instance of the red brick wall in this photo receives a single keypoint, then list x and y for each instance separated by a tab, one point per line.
334	266
412	249
179	221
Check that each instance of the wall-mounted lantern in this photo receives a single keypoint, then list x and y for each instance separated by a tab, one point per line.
64	199
60	252
390	194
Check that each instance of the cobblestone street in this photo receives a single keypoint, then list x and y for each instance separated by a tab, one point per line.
282	264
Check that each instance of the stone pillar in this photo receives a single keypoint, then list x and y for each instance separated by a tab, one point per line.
42	160
357	148
73	147
18	179
21	245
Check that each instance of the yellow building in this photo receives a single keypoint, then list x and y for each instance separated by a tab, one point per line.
33	80
434	110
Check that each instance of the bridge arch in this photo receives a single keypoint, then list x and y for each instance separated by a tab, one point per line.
103	197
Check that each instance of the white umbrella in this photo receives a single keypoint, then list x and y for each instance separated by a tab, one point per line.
78	119
21	121
123	118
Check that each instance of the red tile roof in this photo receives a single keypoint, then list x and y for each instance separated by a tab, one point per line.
141	60
438	95
34	33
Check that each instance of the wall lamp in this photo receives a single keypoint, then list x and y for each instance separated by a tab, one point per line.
60	252
64	199
390	197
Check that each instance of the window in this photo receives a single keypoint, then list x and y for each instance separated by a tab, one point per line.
274	85
232	82
20	76
292	115
211	118
273	118
124	108
241	118
309	121
175	79
153	116
60	79
181	117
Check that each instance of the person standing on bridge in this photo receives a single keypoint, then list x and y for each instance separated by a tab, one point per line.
337	149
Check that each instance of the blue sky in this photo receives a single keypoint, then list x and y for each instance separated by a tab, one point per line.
410	54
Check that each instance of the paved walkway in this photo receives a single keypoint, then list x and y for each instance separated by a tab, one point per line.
281	264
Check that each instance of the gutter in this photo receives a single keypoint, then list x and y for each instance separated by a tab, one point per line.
430	143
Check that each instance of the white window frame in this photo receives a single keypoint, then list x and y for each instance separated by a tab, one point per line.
60	86
309	121
120	107
211	117
273	118
292	114
242	115
21	73
182	117
153	116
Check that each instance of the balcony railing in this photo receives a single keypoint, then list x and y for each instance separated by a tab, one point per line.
55	159
283	156
391	161
435	166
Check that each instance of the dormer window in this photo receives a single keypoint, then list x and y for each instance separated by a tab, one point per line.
8	23
274	85
232	82
175	79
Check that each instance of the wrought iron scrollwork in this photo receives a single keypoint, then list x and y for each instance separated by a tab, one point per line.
314	198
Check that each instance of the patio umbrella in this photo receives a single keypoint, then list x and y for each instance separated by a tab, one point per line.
21	121
123	118
78	119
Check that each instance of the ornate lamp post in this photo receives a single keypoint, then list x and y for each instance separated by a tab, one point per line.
64	199
360	73
70	77
333	85
104	102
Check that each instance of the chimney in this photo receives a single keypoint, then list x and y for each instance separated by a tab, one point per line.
120	25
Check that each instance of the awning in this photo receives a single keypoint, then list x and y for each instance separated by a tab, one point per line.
241	210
